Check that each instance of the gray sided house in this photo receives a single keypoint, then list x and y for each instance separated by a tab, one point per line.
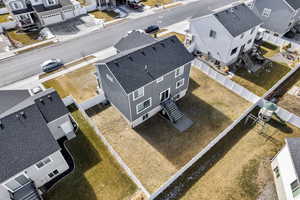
142	81
286	170
30	130
39	13
224	35
278	16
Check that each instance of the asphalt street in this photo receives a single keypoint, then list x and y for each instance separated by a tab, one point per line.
28	64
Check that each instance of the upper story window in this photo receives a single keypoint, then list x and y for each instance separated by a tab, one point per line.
212	34
51	2
16	5
233	51
242	36
266	12
179	71
160	79
276	171
295	185
42	163
252	31
143	106
138	93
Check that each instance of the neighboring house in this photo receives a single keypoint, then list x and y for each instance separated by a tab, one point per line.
30	130
109	4
142	81
225	34
286	169
278	16
39	13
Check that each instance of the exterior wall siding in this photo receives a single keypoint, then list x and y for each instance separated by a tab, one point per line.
154	89
40	176
55	126
113	91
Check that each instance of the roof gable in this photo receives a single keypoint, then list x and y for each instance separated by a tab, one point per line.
137	67
238	19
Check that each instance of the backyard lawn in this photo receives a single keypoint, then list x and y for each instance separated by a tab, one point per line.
23	39
75	82
164	149
97	176
105	15
242	166
4	18
261	81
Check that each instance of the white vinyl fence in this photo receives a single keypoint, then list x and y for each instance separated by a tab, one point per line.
278	41
226	82
93	101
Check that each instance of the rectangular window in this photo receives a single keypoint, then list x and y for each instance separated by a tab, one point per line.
212	34
234	51
276	171
146	116
249	41
138	93
251	4
266	12
160	79
295	185
42	163
109	78
242	36
17	182
179	71
252	31
51	2
179	83
143	106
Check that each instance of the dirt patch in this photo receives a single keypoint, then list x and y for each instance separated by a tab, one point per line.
81	84
155	150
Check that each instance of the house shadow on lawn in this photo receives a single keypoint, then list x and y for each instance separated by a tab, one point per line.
179	147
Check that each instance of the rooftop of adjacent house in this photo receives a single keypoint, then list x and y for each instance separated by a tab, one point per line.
9	98
133	40
294	148
25	137
137	67
238	19
295	4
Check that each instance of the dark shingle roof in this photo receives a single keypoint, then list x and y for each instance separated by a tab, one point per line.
295	4
238	19
10	98
25	137
24	141
294	147
159	58
133	40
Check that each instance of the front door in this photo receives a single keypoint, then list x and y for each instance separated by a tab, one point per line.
165	95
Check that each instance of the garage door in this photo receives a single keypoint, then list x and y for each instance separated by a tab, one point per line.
52	19
68	14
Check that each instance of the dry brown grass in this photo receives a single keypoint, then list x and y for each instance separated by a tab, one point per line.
23	38
245	169
181	37
4	18
155	150
36	47
105	15
80	84
153	3
66	66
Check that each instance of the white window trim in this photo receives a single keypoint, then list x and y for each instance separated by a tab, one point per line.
43	162
13	178
143	92
266	12
181	80
160	79
181	69
169	89
138	112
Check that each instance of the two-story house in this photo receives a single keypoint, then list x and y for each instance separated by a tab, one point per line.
145	80
225	34
286	170
39	13
278	16
30	130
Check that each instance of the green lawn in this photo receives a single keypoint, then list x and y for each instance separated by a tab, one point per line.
263	80
97	176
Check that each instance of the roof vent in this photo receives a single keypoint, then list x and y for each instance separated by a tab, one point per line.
1	125
17	116
41	100
130	58
143	53
117	64
163	45
172	40
49	97
154	49
23	114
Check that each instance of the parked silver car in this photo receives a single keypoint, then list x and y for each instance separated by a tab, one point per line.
51	65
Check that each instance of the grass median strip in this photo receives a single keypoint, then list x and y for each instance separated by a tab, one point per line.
97	175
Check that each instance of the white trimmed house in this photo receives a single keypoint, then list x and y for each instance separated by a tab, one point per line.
286	170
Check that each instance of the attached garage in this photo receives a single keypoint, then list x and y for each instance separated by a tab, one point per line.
68	14
52	19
